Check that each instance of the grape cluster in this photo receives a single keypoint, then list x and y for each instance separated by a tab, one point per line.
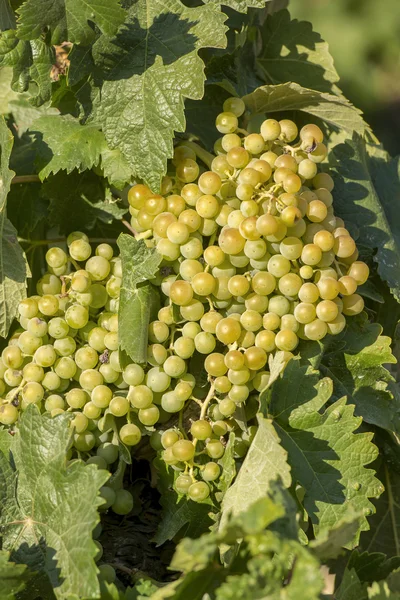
253	260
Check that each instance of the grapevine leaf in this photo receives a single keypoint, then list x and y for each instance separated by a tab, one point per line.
141	77
13	577
7	94
13	266
326	458
78	201
335	111
68	19
139	298
354	361
239	5
367	194
26	208
351	587
31	61
384	534
49	510
68	145
179	515
292	51
115	167
265	462
372	566
331	543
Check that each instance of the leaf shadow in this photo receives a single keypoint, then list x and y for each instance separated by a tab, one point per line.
38	557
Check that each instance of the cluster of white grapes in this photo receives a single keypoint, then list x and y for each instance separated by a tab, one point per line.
254	259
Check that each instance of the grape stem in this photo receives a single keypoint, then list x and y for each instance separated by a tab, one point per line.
128	226
204	406
203	155
26	179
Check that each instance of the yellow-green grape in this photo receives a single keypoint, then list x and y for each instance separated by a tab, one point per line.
319	153
261	380
325	196
209	321
323	180
311	135
291	248
12	377
228	330
211	471
130	434
226	122
324	240
315	330
183	483
328	288
28	343
198	491
235	106
33	372
183	450
80	250
255	358
178	233
191	219
305	312
8	414
48	305
56	257
286	340
238	158
45	356
187	170
344	246
337	325
256	302
290	284
278	265
32	392
254	143
222	384
311	254
263	283
89	379
316	211
289	130
306	272
214	364
28	308
201	429
347	285
327	310
270	130
279	305
359	271
265	339
352	305
158	331
271	321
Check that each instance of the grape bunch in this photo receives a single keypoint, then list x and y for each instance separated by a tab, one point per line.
253	260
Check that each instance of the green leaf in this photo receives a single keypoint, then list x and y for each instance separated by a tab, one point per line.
13	266
367	191
77	201
139	298
332	541
384	533
179	515
239	5
325	455
335	111
31	61
26	208
68	145
6	92
351	587
13	578
50	509
354	361
68	19
373	566
115	167
142	76
292	51
265	462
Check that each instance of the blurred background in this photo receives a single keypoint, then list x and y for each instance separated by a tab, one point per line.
364	40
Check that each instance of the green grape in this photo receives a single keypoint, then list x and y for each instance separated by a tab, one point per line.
77	316
37	327
58	328
98	268
79	422
65	346
140	396
305	312
98	296
235	106
315	330
352	305
101	394
270	130
56	257
227	407
261	380
8	414
29	343
327	310
251	320
28	308
48	284
119	406
108	451
169	437
171	403
80	250
65	367
226	122
291	248
54	401
91	411
187	170
204	342
347	285
215	449
133	374
174	367
201	429
45	356
98	461
359	271
123	503
220	428
111	341
130	434
211	471
183	483
328	288
108	373
199	491
190	330
96	338
33	372
77	398
12	377
188	268
86	358
290	284
105	250
203	284
278	265
286	340
337	325
156	354
158	380
227	331
107	494
89	379
32	392
193	311
149	416
183	450
289	130
279	305
158	332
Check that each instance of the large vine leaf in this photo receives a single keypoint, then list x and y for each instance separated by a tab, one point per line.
238	5
265	462
292	51
325	455
31	61
13	266
78	200
141	77
384	534
354	361
13	577
48	510
68	145
367	195
335	111
68	19
139	299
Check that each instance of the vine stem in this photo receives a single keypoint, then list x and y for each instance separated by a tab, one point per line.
128	226
26	179
203	155
203	411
